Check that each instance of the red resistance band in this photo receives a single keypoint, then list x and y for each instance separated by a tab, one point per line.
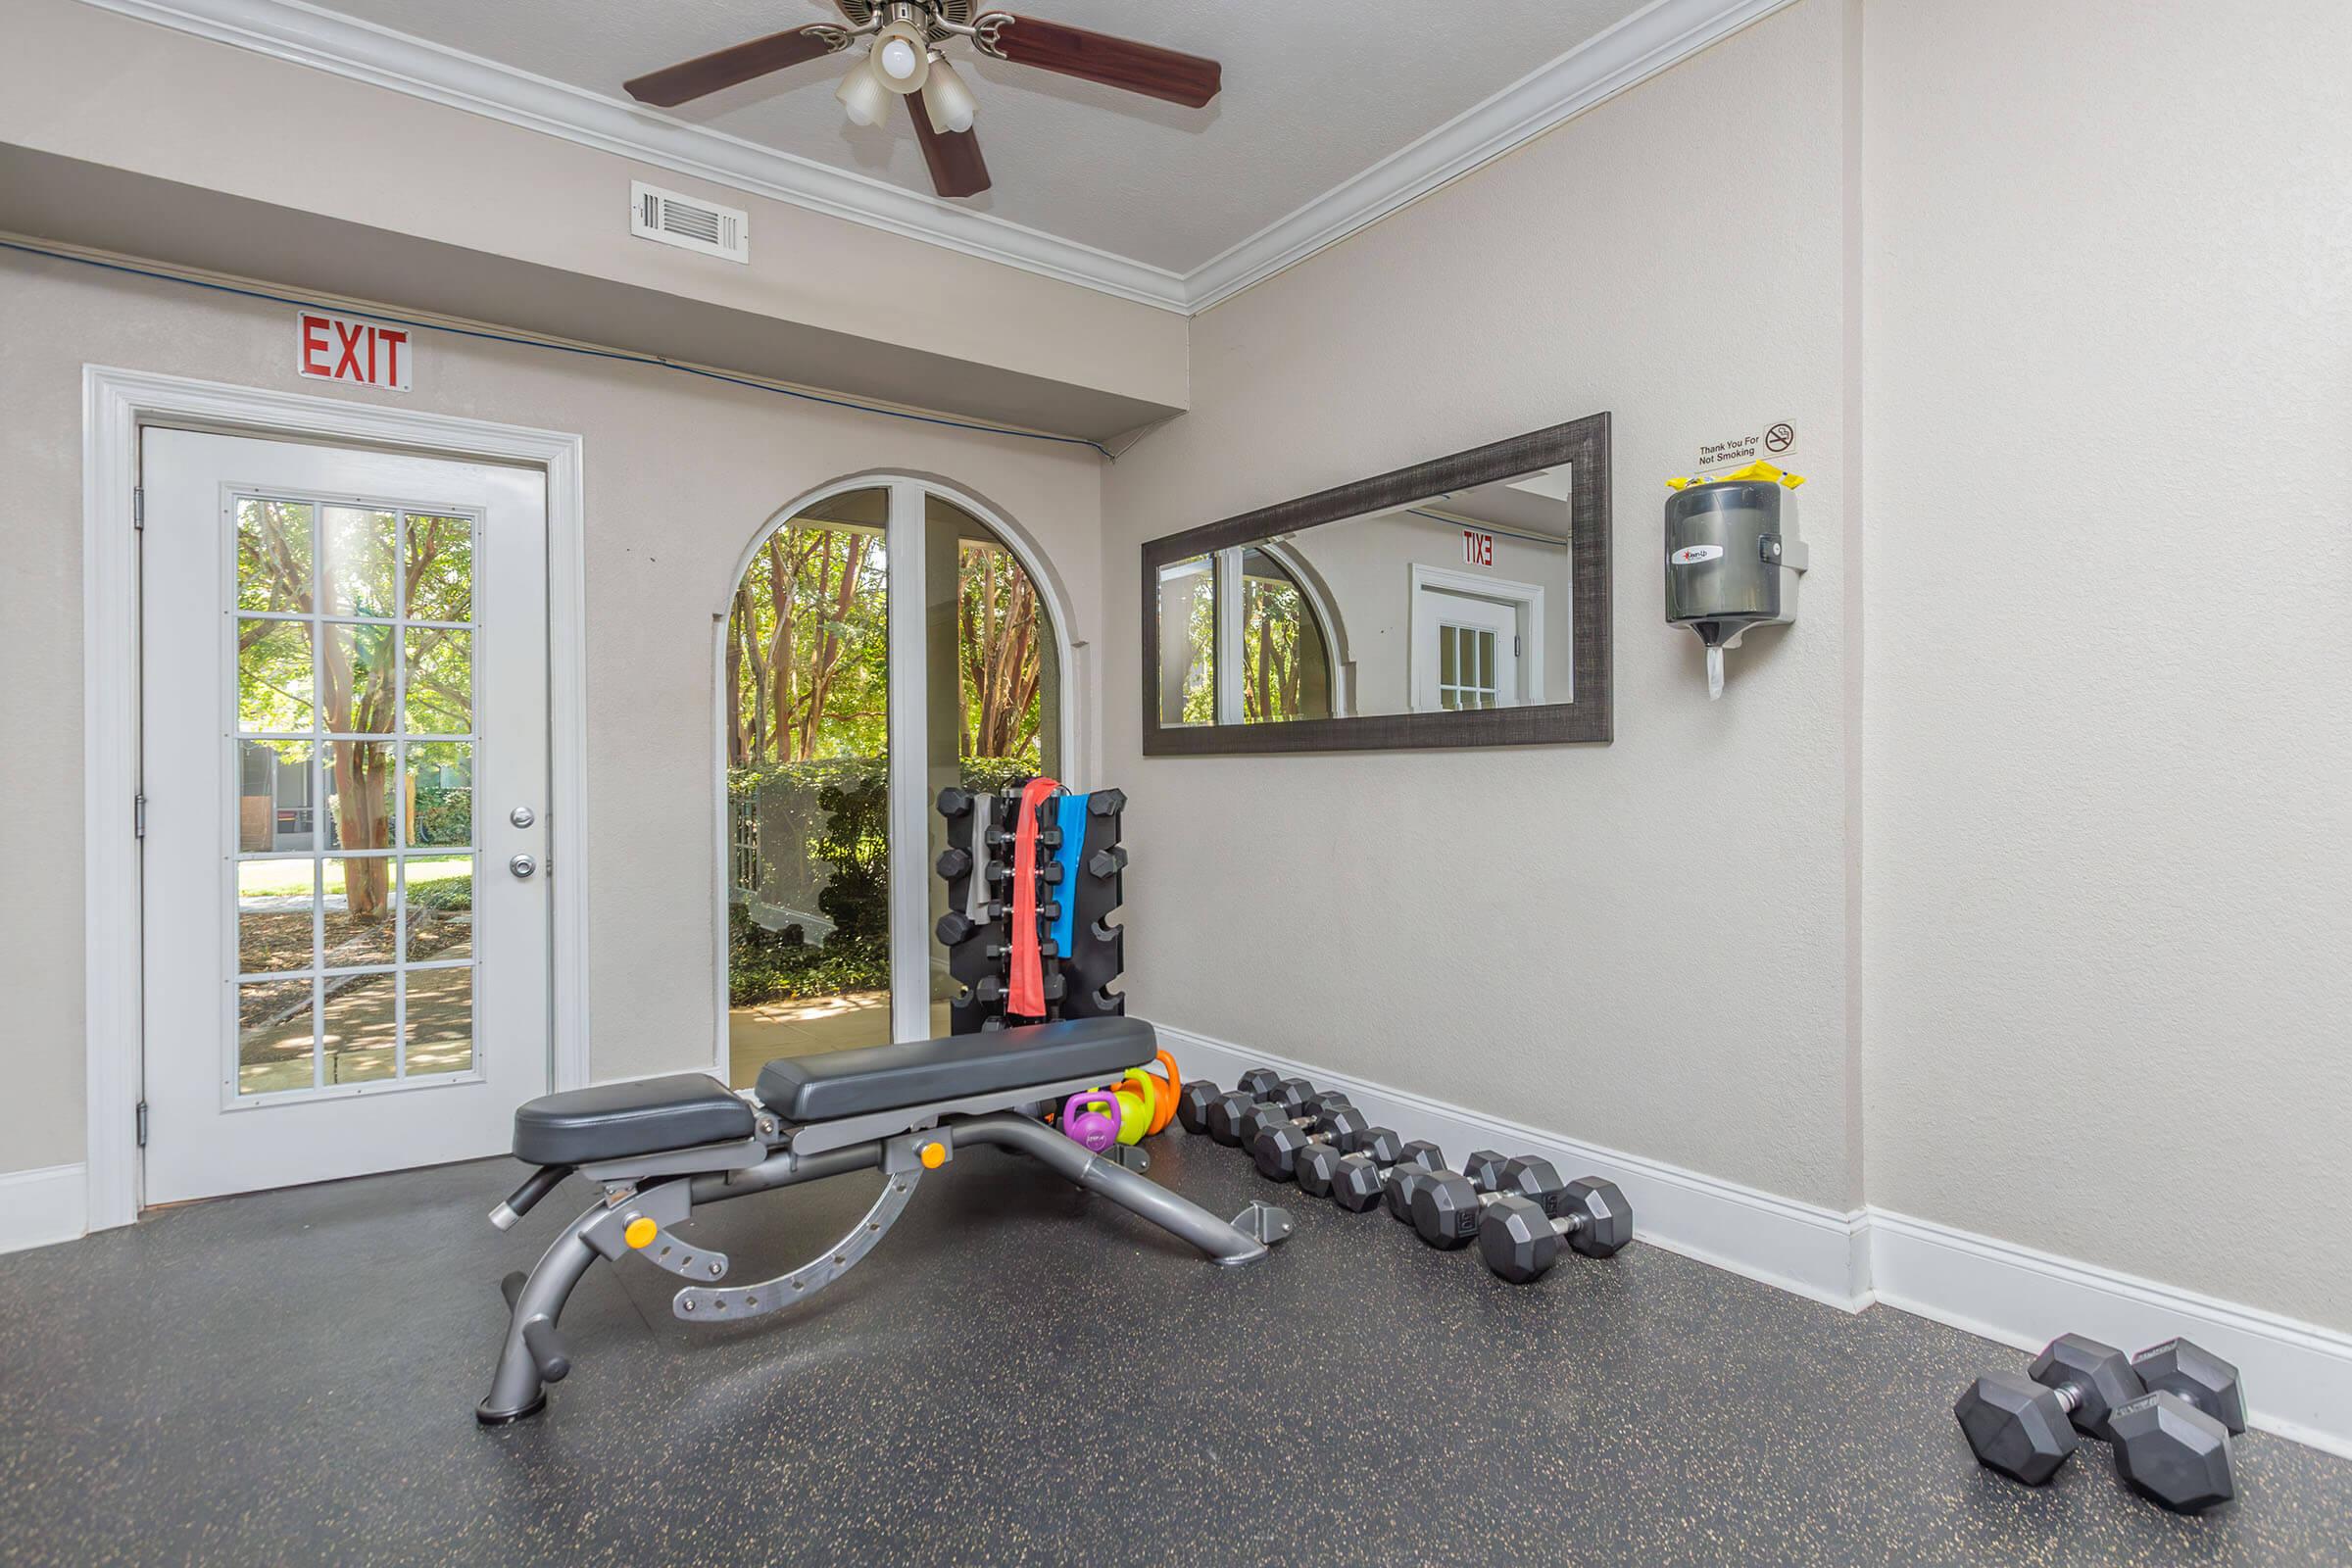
1026	996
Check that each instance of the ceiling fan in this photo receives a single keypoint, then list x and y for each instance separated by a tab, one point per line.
907	60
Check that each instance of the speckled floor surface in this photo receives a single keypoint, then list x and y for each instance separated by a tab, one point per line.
1019	1373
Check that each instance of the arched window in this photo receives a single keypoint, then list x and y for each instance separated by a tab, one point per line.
840	721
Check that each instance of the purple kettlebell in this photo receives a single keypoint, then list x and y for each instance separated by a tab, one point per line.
1091	1117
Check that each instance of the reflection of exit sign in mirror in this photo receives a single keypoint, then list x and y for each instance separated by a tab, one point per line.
1478	549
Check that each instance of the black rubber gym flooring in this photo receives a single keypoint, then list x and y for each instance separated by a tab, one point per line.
1019	1373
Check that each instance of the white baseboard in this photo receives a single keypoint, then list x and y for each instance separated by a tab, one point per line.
38	1207
2298	1376
1796	1247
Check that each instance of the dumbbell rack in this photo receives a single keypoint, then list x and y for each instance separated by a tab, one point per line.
982	831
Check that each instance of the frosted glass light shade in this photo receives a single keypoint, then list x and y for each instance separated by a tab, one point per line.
862	96
948	101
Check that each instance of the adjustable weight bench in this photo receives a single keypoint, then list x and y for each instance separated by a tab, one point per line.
659	1147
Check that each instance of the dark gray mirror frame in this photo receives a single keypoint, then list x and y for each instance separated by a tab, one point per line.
1582	443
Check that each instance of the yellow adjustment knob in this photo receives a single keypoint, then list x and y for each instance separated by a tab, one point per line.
640	1232
934	1156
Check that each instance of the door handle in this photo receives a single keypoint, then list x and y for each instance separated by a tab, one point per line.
523	865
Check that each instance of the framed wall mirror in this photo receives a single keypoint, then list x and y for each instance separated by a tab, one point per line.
1461	602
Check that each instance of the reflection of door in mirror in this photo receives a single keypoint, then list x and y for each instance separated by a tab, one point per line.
1467	652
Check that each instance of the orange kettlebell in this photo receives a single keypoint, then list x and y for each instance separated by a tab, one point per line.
1164	1089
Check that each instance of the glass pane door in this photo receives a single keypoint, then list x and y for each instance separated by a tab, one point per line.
354	756
992	683
806	683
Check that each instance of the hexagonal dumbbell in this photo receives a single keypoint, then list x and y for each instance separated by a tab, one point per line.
2173	1443
1320	1164
1361	1180
2024	1427
2202	1378
1445	1205
1242	1131
1276	1150
1520	1237
1396	1192
1193	1102
1196	1096
2170	1443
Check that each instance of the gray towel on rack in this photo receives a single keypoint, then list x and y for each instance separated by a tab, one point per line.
975	893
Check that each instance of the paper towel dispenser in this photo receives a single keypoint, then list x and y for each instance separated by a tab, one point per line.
1733	556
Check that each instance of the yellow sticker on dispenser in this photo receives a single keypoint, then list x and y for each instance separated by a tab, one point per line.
1758	469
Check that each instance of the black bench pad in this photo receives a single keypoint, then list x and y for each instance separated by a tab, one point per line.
916	1073
612	1121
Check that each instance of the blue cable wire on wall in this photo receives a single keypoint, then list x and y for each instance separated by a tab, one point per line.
621	355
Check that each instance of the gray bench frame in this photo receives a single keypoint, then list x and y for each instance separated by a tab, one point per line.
666	1187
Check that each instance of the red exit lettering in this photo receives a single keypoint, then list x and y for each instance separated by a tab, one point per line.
1478	549
336	348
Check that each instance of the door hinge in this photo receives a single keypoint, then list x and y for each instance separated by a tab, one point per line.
138	817
138	507
1517	651
142	1124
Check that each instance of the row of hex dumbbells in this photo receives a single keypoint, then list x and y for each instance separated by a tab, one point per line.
2168	1412
1518	1211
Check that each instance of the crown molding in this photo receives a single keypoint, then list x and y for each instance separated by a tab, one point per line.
1599	68
360	51
1595	71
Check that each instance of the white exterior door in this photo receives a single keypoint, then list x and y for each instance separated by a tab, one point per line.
1466	652
344	744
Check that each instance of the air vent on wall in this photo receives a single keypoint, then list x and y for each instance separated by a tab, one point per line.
688	221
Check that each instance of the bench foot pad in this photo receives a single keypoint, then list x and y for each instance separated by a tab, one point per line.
499	1418
1265	1223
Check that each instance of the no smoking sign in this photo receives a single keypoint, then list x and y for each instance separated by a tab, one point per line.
1774	439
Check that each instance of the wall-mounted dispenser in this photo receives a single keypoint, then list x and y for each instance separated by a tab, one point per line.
1733	556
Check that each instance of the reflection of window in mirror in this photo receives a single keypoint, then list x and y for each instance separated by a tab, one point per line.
1285	662
1188	615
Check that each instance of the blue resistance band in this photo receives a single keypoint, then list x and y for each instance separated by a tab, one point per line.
1072	808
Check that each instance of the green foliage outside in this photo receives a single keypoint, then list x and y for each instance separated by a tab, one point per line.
852	840
1285	666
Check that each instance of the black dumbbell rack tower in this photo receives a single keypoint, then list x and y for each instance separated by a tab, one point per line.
978	937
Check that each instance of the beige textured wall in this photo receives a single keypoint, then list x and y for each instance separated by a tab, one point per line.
1643	944
680	474
2109	768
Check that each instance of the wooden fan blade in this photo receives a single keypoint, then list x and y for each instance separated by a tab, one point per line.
1180	79
724	68
957	166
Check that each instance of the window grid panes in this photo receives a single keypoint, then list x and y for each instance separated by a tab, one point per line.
352	730
1466	672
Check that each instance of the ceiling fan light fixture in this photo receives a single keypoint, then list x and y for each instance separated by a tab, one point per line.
900	57
947	100
862	96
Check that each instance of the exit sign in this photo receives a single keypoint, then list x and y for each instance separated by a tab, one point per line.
1478	549
336	348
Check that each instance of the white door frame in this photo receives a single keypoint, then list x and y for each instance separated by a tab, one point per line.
1526	597
115	403
909	675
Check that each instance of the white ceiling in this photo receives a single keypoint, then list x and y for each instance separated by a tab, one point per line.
1314	94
